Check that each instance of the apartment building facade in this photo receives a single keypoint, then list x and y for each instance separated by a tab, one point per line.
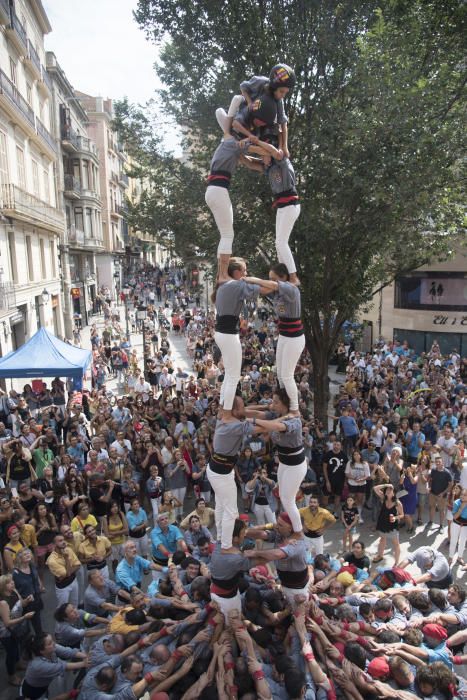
79	191
114	183
31	220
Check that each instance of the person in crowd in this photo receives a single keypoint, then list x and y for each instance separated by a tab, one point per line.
13	624
389	519
116	529
94	551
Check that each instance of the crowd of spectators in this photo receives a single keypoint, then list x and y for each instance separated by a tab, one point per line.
104	498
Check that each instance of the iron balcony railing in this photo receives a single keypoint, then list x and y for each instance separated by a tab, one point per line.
18	28
25	206
33	56
13	95
7	296
72	184
75	235
85	144
69	134
46	79
45	134
124	180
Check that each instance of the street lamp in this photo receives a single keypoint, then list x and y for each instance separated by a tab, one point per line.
142	315
45	296
126	291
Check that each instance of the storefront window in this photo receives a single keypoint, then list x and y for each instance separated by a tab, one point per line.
421	341
431	291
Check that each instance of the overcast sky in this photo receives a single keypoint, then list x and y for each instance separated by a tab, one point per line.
102	50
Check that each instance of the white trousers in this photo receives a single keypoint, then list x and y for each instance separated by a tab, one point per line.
289	479
285	220
231	349
218	201
226	510
458	539
290	594
315	545
155	504
227	604
222	115
263	514
288	353
69	594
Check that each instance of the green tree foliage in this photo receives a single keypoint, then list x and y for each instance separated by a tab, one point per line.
376	137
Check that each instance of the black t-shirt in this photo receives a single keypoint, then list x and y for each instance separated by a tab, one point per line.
440	480
362	563
349	514
99	507
19	468
336	465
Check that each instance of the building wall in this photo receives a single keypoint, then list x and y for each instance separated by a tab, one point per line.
445	322
31	223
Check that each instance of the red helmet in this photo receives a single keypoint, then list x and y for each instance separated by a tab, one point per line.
282	76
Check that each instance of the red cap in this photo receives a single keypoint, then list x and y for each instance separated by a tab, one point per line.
378	667
10	529
286	518
244	517
435	631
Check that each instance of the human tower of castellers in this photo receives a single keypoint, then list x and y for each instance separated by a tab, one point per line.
263	612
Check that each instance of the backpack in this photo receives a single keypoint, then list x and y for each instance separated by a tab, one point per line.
393	577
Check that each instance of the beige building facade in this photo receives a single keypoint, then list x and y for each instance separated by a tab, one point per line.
31	217
78	182
114	184
425	305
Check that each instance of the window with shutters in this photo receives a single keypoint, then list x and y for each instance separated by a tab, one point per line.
36	188
4	176
21	170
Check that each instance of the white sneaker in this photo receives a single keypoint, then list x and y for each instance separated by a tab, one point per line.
360	519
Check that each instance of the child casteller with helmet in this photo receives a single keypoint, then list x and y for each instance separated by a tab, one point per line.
281	80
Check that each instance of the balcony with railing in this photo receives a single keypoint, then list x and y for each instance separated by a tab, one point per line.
13	101
17	33
18	204
123	180
4	12
69	138
7	296
87	146
72	189
78	238
114	178
45	80
121	209
46	135
75	235
33	61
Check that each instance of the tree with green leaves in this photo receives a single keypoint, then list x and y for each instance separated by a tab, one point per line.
376	135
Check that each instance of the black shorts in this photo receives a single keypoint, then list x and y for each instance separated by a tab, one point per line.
336	488
360	488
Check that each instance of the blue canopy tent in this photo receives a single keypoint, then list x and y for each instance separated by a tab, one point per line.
44	355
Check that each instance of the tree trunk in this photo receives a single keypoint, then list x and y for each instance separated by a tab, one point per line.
320	356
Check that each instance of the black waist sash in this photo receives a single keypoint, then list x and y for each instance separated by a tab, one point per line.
219	178
285	456
290	327
228	324
222	464
293	579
